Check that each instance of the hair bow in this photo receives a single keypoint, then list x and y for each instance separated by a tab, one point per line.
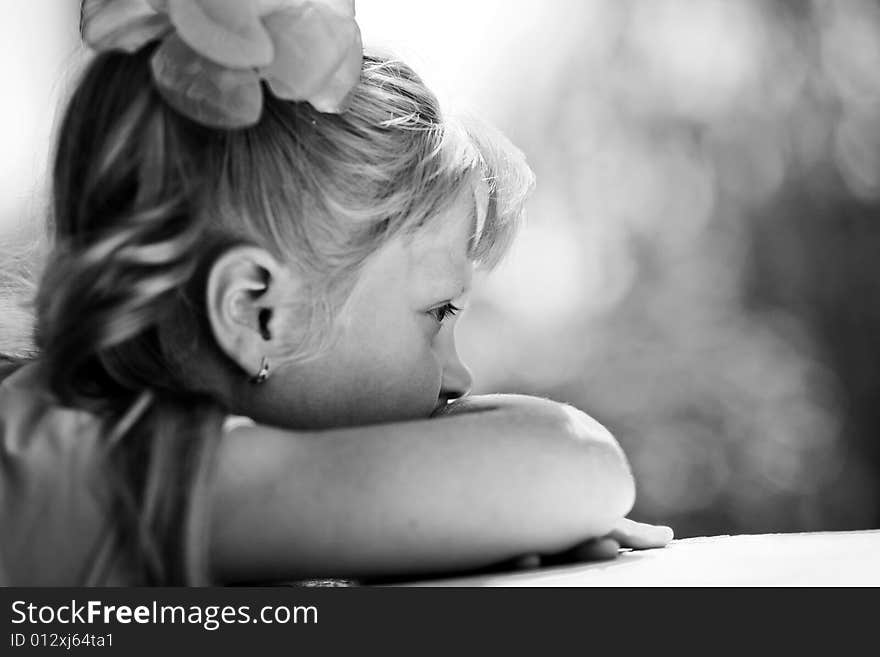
214	53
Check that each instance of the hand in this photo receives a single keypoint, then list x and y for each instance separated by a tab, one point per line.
625	534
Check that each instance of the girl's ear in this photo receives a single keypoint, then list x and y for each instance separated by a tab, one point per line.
245	290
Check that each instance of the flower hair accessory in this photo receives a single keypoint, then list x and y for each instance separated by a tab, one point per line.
214	53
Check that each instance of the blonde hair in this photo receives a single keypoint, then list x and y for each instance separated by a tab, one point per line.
144	200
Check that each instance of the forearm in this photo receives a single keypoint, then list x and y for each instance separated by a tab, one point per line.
523	474
577	425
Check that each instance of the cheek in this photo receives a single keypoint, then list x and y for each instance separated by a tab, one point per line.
413	387
400	381
397	378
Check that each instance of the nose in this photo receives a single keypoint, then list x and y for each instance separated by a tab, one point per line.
457	379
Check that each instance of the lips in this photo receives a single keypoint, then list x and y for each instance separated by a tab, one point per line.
441	404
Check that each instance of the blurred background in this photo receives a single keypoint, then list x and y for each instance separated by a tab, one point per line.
700	268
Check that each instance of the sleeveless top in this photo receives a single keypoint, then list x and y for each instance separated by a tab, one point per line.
55	529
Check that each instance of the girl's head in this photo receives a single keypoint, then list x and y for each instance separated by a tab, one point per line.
332	247
184	258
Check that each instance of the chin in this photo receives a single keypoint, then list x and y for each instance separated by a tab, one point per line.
316	414
379	413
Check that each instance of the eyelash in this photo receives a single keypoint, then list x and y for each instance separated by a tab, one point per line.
446	310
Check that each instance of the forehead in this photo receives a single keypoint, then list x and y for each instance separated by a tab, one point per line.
450	230
442	247
429	264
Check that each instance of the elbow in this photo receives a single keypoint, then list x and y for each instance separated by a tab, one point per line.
574	481
604	461
617	491
595	487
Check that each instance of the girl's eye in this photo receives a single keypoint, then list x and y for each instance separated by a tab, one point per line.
446	310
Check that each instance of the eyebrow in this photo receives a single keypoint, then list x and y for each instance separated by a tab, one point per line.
447	285
461	288
448	289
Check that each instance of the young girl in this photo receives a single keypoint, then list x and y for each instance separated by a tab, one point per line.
246	363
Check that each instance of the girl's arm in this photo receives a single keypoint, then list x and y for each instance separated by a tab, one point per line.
514	475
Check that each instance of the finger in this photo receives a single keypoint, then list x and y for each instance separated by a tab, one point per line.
592	550
606	547
526	562
641	535
522	562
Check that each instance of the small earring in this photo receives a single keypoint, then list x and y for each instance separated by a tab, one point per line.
263	374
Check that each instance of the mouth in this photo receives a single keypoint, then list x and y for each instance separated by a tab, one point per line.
441	404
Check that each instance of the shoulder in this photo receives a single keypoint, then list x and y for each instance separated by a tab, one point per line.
50	472
7	367
34	427
232	422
